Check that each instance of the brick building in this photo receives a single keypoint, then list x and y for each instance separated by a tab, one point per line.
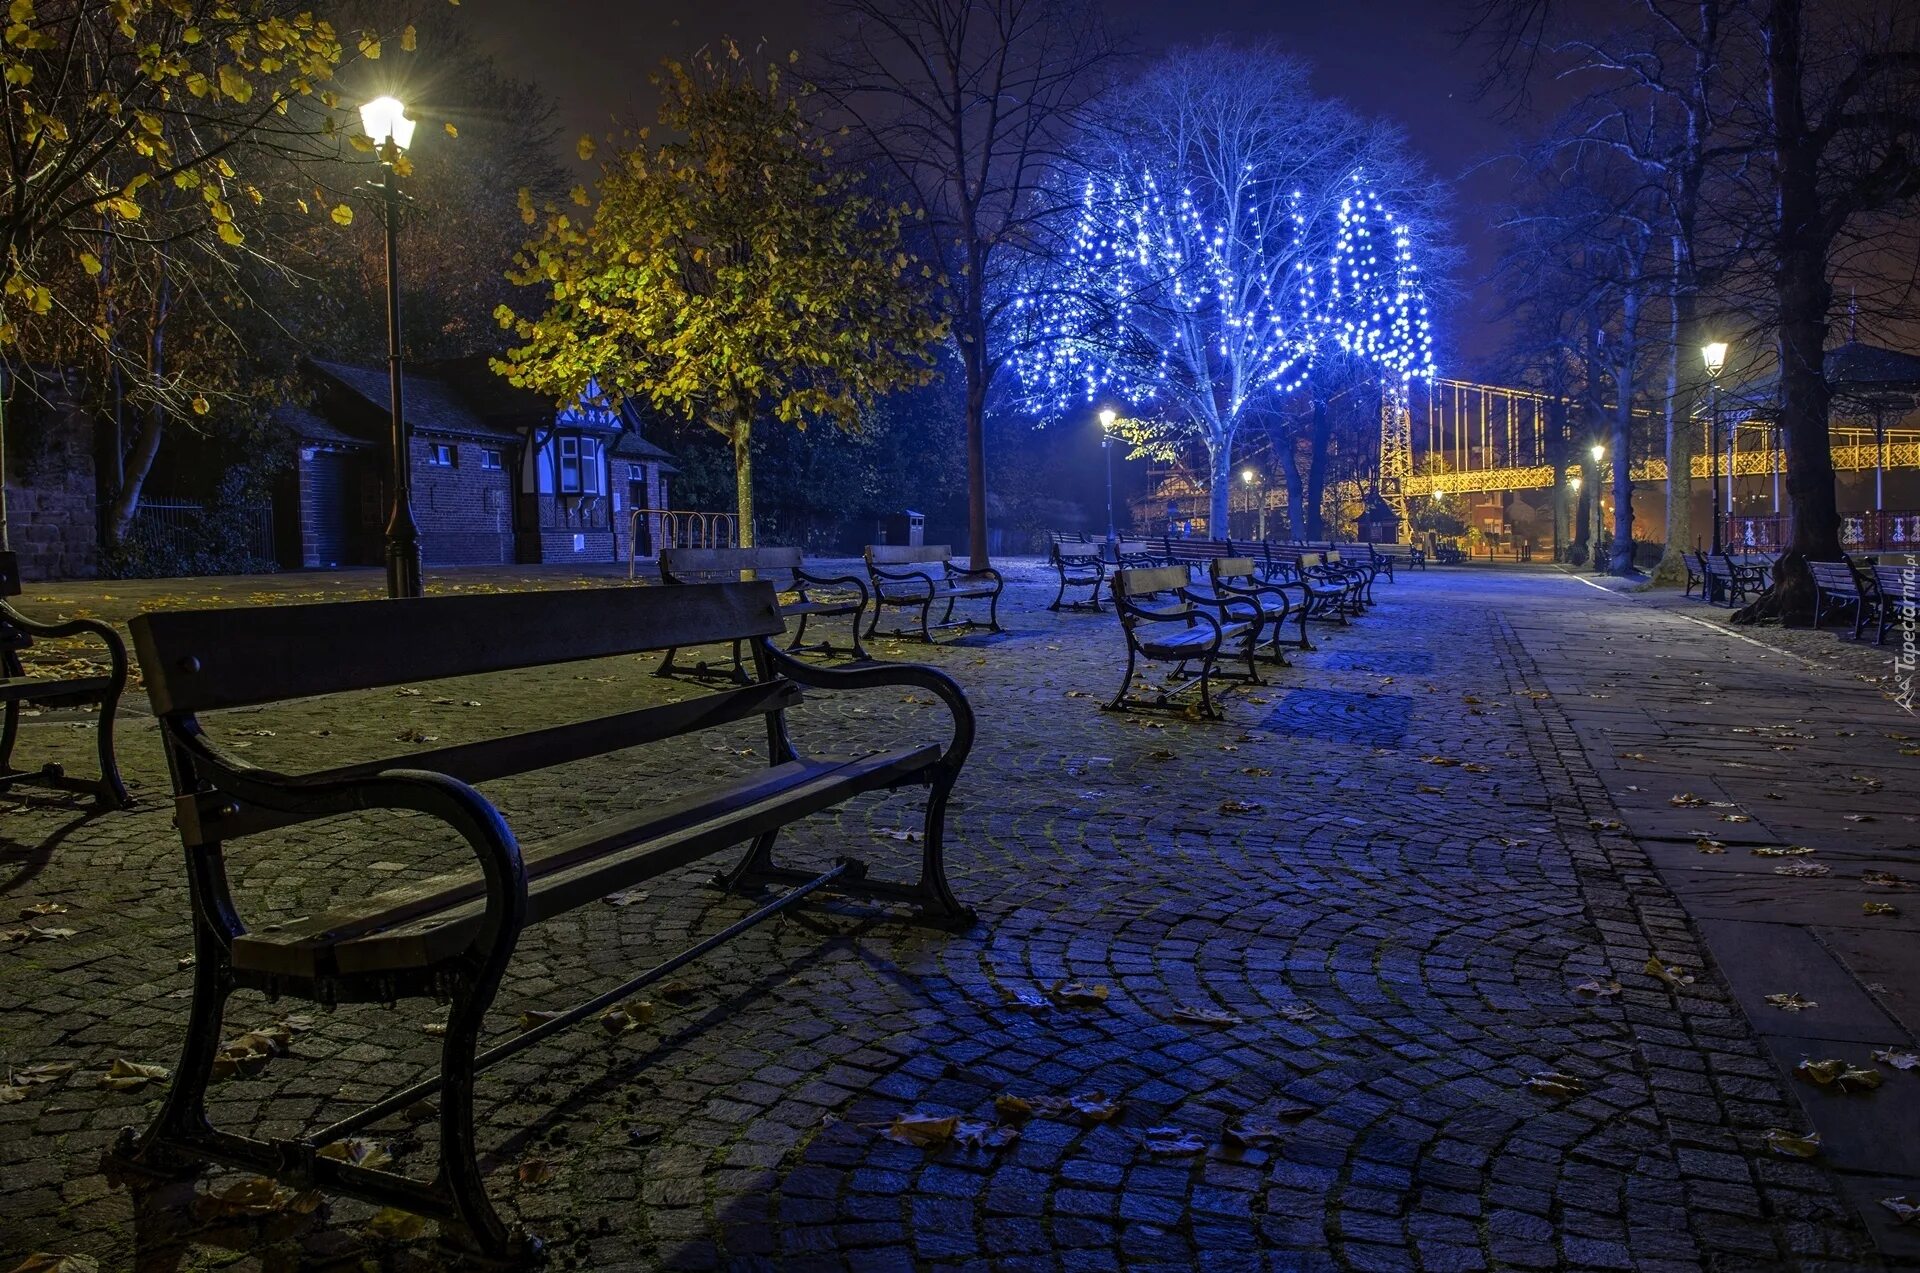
499	476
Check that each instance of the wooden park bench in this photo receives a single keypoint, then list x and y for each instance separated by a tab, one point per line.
1445	551
1138	554
1696	574
1188	627
1728	580
451	937
1391	555
1897	590
786	569
1353	563
912	577
1174	550
1327	595
19	691
1079	564
1242	577
1839	585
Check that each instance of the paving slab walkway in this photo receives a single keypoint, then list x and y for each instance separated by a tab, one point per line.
1386	878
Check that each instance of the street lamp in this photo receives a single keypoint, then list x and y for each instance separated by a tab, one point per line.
387	126
1107	417
1714	354
1599	454
1248	477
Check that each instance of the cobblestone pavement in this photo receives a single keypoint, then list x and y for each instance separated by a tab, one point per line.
1385	877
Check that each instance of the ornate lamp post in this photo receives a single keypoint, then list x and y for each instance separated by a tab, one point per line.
387	125
1255	498
1107	417
1714	354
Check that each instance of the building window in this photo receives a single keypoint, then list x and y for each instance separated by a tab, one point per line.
636	473
490	458
440	455
579	465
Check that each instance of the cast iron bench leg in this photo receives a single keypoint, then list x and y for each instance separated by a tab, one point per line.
182	1119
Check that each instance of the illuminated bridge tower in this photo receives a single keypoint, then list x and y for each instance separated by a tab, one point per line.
1396	454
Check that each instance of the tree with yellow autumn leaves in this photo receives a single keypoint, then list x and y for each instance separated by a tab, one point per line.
732	273
154	150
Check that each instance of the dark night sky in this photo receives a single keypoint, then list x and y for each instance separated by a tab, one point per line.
1391	58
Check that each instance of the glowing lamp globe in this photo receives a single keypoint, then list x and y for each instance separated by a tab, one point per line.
1714	353
1599	452
1246	475
1107	417
385	119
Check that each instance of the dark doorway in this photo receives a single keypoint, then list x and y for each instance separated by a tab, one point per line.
329	520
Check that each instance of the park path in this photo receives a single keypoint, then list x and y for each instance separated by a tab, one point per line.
1779	800
1357	918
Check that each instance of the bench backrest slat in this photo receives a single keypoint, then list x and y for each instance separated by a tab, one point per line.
1141	581
685	563
908	554
1231	567
205	660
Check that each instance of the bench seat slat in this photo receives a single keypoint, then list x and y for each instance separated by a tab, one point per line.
437	918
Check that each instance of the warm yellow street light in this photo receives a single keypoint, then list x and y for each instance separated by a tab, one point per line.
1107	416
1714	354
1599	452
391	132
385	119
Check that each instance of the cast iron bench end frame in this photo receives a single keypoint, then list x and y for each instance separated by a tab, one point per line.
1079	565
451	938
902	578
1204	636
18	690
725	565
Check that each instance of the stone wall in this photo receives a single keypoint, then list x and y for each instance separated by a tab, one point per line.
52	500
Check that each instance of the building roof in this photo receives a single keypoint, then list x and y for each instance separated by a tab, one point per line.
307	425
631	446
1861	376
432	405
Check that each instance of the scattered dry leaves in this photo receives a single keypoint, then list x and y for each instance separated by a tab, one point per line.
1791	1144
1838	1075
128	1076
1790	1001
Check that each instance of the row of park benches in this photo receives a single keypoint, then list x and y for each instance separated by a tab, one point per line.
1237	611
1083	562
1874	594
1724	579
1869	593
451	937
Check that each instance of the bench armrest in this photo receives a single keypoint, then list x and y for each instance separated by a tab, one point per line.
804	580
116	648
885	575
881	676
1237	608
985	572
457	804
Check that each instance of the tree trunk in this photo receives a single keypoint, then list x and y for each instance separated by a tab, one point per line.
139	463
1321	438
1622	563
1682	332
743	476
978	375
1220	459
1803	293
1296	490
